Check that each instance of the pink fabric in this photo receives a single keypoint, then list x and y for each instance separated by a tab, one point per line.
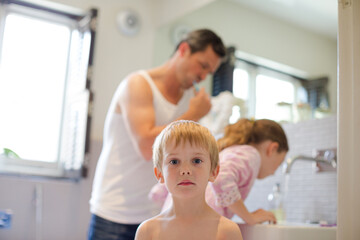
158	194
239	167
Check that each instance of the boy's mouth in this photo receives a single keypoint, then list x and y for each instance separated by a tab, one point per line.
186	183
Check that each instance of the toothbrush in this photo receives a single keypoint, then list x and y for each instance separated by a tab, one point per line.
196	86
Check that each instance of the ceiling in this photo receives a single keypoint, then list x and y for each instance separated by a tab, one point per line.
315	15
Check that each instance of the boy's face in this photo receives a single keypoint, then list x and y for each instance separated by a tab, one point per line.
186	169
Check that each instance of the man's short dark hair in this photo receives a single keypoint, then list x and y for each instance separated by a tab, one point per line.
200	39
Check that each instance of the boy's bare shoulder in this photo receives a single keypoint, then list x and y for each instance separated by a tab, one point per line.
147	229
228	230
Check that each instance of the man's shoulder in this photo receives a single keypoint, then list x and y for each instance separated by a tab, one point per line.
136	76
136	81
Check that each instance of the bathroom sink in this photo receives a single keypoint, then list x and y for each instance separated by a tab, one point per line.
287	231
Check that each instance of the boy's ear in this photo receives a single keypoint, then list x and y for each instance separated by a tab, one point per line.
158	175
214	174
272	148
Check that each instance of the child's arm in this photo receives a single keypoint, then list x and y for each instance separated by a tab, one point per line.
257	216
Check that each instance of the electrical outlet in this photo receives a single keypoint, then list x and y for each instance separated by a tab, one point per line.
5	218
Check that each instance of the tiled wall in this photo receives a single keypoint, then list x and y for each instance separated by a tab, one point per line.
310	195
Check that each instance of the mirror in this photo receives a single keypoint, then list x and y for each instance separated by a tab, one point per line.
309	53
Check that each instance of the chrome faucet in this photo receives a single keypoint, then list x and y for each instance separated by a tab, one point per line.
327	156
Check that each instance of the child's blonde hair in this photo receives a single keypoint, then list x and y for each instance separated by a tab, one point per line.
185	131
246	131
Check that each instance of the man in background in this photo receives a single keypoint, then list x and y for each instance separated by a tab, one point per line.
143	104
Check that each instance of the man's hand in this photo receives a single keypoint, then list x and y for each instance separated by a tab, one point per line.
200	104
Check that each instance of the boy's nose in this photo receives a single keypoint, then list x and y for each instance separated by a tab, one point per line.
187	172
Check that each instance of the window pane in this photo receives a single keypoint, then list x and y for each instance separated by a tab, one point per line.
274	98
241	83
235	114
33	58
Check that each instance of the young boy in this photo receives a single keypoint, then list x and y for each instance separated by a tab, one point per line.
186	158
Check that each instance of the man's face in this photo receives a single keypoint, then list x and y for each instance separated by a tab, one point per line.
196	66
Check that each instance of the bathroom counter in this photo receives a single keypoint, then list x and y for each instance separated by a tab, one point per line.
287	231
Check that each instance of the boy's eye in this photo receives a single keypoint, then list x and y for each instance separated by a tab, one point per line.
197	160
174	161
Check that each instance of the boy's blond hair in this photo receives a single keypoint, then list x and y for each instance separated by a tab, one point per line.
185	131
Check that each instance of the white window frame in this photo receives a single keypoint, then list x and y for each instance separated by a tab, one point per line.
75	108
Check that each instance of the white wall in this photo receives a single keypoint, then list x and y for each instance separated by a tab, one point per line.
261	35
168	10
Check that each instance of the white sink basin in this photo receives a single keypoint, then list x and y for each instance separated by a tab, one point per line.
287	231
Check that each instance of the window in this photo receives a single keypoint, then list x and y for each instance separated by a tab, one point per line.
44	88
272	94
266	89
267	93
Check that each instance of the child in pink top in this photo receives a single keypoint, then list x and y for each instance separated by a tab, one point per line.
240	165
249	150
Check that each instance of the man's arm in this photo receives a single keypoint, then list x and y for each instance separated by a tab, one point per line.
139	114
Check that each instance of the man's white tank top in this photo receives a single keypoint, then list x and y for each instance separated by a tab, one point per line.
123	179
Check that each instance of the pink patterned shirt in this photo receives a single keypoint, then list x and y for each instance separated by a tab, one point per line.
239	167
